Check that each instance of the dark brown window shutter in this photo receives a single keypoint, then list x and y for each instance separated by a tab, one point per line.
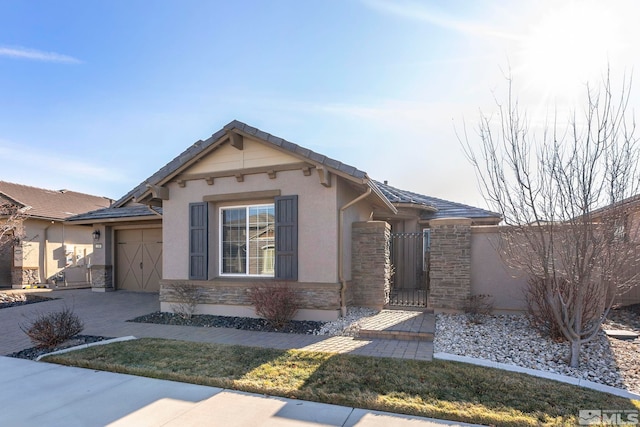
198	220
286	210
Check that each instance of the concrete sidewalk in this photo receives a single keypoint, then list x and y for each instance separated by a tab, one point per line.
48	395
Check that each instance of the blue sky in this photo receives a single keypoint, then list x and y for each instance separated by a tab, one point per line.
95	96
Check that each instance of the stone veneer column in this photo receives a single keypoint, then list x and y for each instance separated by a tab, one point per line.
450	269
101	278
370	264
23	276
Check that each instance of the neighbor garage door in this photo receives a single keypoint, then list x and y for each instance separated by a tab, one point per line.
139	259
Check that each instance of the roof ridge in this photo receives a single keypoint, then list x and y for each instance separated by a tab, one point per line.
61	191
199	146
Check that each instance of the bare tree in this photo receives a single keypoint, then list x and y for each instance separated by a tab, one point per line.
11	219
563	192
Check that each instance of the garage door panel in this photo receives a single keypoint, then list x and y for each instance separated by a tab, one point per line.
139	259
152	265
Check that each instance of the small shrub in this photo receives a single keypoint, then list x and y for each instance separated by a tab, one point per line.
476	306
278	303
52	329
186	297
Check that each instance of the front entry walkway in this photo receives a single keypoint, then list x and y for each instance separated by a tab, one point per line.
106	314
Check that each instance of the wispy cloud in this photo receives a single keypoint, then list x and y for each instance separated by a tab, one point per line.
37	55
56	168
420	11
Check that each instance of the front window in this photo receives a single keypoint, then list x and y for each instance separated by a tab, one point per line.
247	240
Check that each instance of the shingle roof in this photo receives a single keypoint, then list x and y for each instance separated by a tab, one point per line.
52	204
440	208
117	213
199	146
443	208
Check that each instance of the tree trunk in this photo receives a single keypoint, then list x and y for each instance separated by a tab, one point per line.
575	354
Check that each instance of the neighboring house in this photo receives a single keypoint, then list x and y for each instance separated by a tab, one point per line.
625	216
245	208
48	252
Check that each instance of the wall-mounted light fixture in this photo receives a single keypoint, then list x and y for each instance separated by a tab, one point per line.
96	234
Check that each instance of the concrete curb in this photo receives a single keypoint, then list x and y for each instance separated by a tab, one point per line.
541	374
82	346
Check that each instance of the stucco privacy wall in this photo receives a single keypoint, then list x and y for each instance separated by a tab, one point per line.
371	263
491	276
450	269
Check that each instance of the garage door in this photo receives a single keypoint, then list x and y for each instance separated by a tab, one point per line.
139	259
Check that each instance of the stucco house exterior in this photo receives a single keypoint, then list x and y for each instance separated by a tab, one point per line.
626	217
244	208
49	251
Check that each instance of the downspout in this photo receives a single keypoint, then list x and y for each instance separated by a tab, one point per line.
64	255
45	262
343	282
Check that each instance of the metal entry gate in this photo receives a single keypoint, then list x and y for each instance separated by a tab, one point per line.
410	268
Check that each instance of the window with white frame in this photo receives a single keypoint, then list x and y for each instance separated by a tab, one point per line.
247	240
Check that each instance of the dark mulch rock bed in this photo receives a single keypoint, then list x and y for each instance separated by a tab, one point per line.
33	352
244	323
7	301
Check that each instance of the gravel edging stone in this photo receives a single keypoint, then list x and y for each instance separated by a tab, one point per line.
83	346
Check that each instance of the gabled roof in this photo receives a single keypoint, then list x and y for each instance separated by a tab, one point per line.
51	204
117	214
632	202
196	150
390	197
435	208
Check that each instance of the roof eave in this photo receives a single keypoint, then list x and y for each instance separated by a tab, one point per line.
381	196
418	206
112	220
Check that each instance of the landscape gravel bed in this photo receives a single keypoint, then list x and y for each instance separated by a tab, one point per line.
15	299
510	339
348	325
244	323
33	352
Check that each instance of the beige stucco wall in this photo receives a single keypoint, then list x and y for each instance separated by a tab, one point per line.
317	216
253	154
489	274
361	211
42	249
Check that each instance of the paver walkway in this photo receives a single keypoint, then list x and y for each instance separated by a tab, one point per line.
106	314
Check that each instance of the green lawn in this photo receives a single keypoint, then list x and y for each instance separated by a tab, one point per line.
447	390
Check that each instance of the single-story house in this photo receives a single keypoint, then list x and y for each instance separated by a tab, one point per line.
625	215
49	252
244	208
